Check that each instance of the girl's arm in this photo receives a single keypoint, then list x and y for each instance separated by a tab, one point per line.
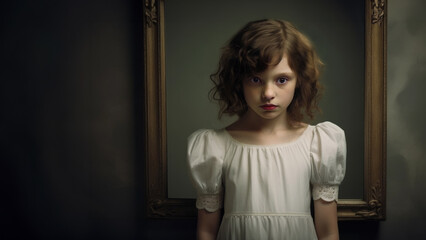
208	224
326	219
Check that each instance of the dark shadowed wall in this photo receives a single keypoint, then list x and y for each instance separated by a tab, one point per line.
70	161
71	130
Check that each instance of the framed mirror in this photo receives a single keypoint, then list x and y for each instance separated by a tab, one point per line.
350	39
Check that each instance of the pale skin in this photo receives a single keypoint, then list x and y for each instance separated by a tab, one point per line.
266	122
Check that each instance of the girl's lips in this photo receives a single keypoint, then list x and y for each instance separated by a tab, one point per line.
269	107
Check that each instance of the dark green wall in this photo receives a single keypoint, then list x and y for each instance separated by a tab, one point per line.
71	163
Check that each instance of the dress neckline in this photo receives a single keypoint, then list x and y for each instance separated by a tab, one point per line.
298	139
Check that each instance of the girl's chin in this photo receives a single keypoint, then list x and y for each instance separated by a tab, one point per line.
270	115
266	115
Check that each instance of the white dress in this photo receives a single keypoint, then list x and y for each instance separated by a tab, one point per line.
266	190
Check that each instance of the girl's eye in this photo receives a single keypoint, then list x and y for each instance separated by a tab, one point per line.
282	80
255	80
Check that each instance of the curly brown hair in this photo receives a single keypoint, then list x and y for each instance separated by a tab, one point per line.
258	45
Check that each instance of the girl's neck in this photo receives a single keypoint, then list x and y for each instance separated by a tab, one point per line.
250	121
252	129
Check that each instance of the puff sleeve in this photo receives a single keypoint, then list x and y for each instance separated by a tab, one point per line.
205	164
328	156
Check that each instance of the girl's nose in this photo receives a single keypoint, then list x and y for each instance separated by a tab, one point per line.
268	92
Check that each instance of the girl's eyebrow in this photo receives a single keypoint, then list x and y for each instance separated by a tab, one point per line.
287	74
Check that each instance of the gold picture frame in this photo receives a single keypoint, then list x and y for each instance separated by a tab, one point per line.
373	204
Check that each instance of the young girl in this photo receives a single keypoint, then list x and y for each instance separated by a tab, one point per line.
264	168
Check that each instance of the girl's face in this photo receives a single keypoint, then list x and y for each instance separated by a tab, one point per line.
270	93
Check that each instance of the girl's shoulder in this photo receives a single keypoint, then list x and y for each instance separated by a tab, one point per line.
328	128
207	132
206	144
327	124
215	136
328	142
